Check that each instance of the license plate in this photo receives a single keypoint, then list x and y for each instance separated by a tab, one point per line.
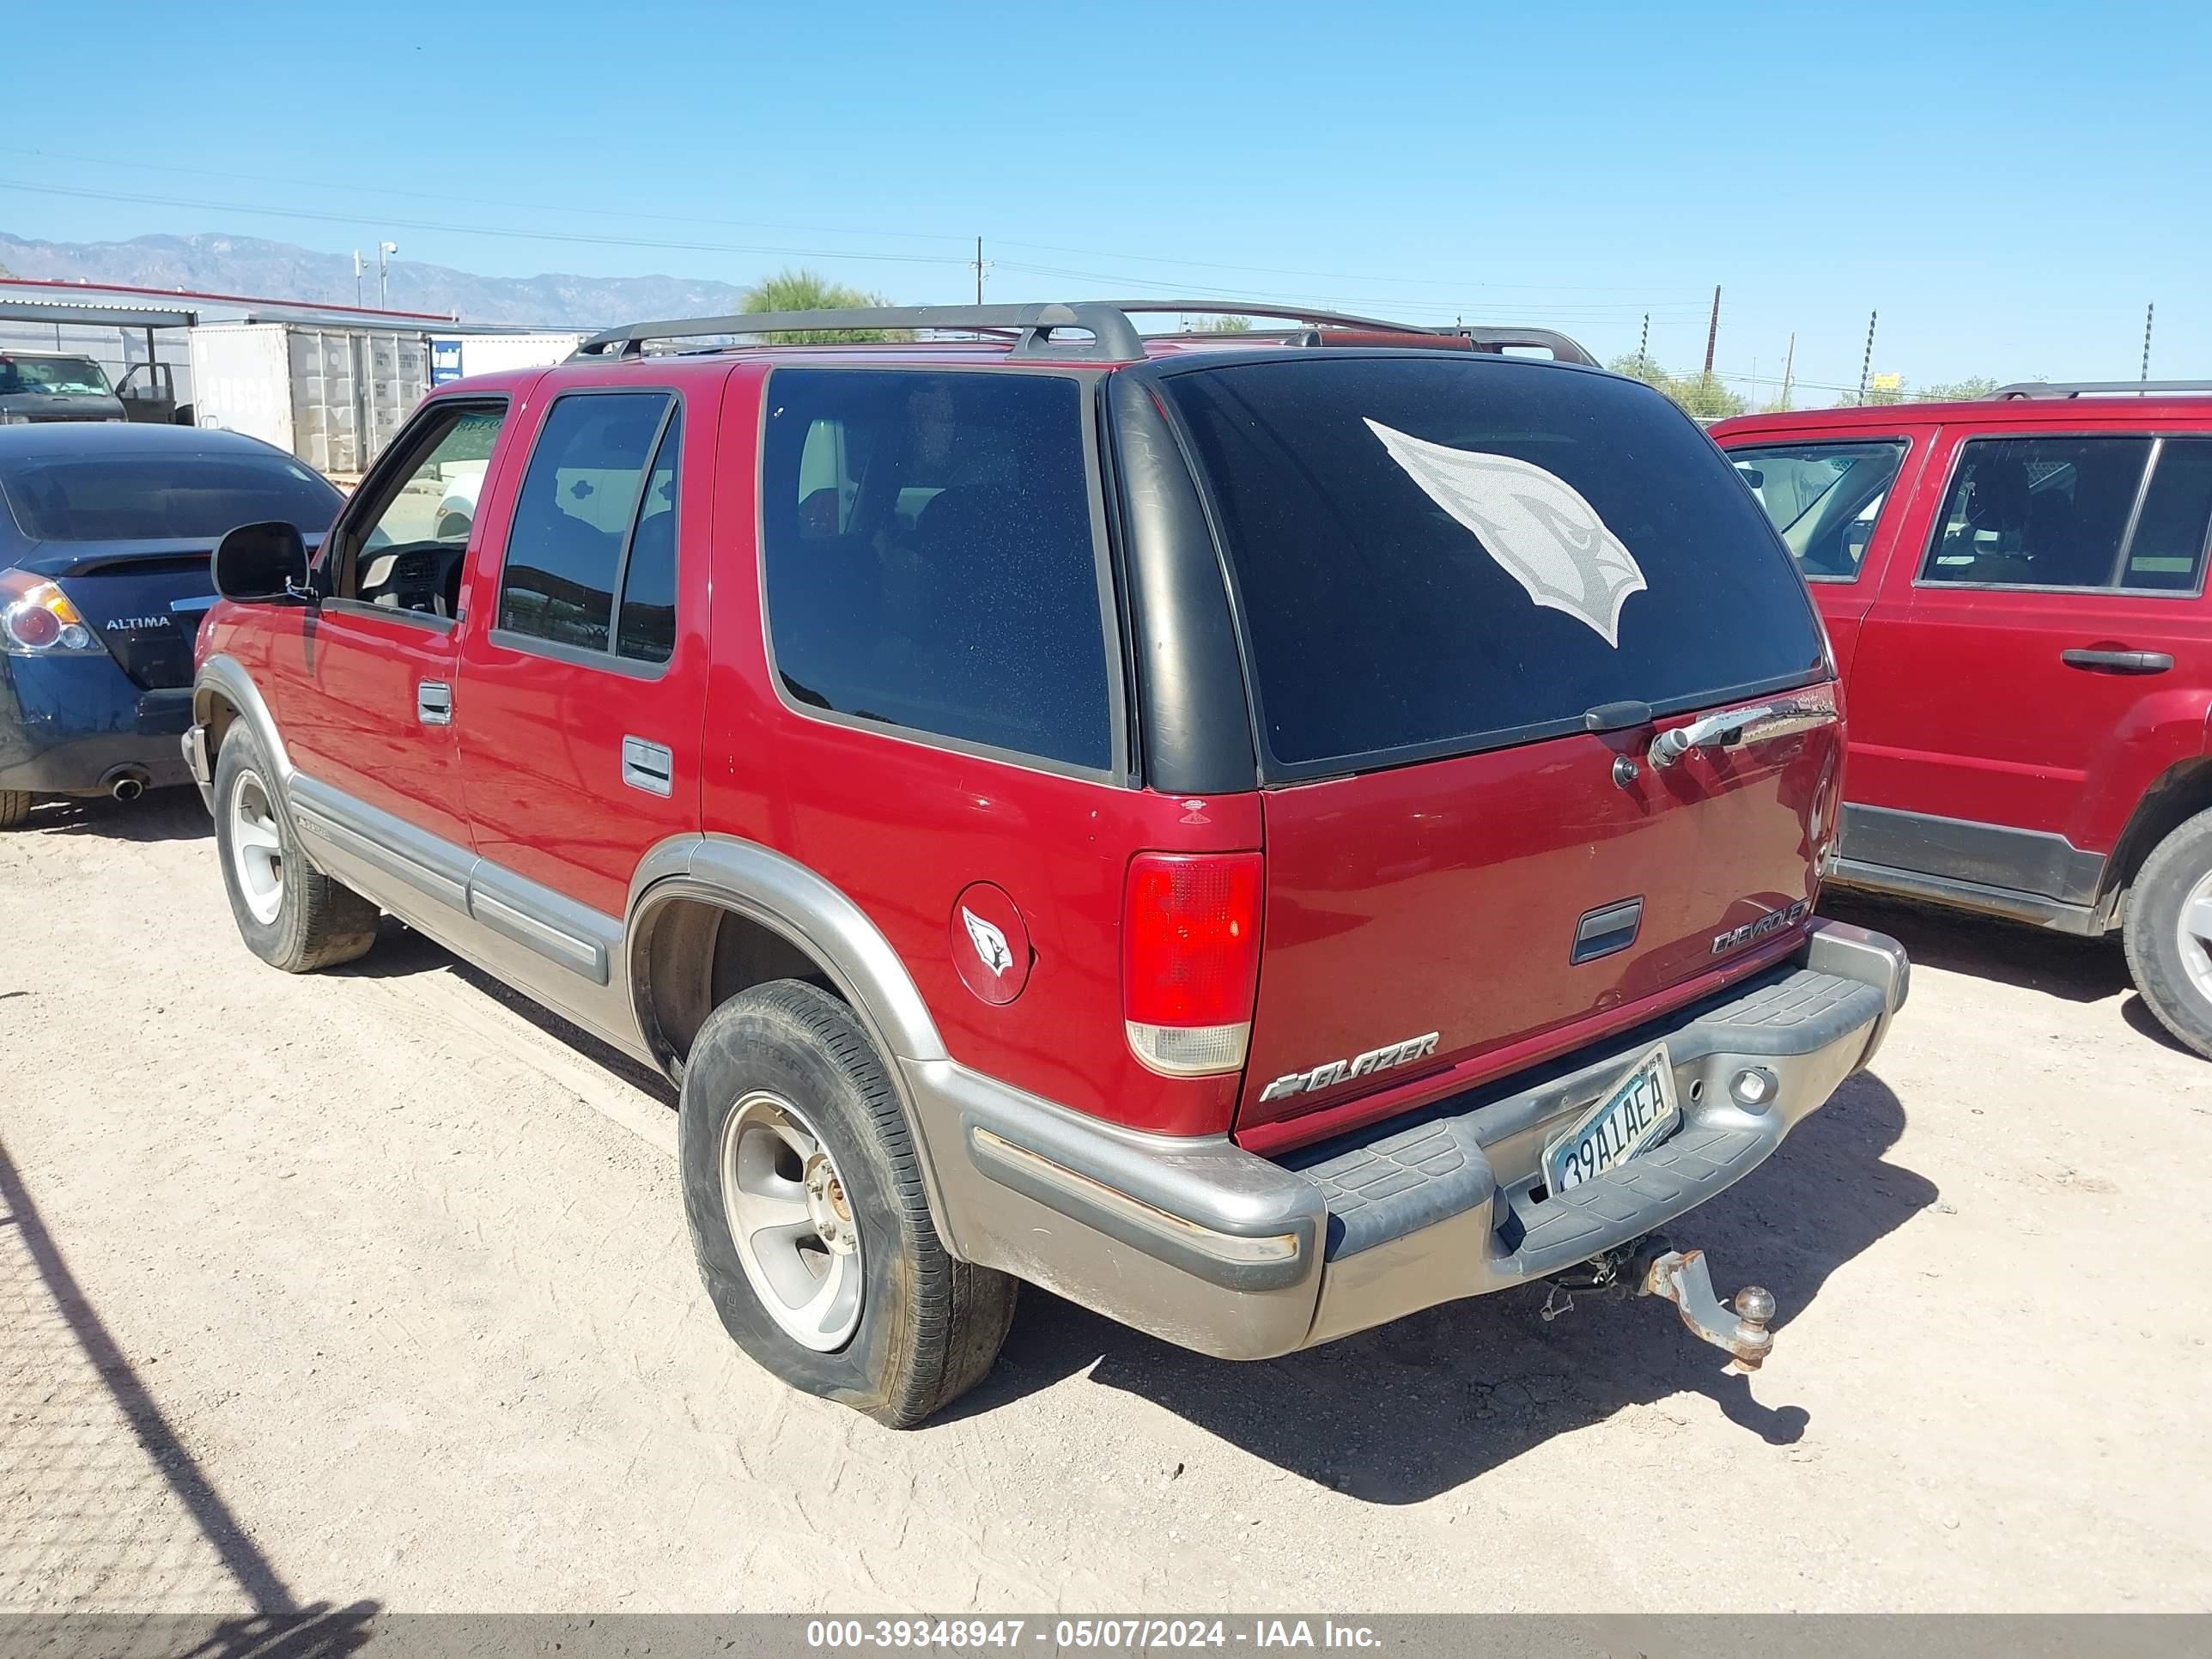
1640	1109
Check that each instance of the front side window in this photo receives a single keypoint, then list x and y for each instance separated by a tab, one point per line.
645	628
584	492
2075	513
929	556
411	527
1825	499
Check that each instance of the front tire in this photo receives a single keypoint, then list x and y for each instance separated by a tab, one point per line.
290	913
2169	932
804	1198
15	807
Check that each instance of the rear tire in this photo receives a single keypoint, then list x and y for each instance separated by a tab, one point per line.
15	807
786	1104
2169	932
290	913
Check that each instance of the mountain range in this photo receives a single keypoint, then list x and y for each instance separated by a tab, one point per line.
266	269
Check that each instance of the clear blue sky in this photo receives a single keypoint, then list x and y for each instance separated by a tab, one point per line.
2008	184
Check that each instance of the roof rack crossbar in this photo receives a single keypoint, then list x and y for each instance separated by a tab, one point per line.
2075	388
1036	328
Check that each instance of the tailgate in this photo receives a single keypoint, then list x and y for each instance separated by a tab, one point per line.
1472	592
1490	898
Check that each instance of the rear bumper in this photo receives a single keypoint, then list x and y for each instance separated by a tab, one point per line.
67	726
1203	1243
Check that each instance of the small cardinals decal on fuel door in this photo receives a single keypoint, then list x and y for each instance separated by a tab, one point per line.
990	944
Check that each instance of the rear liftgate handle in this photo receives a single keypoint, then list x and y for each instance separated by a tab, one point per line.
1753	723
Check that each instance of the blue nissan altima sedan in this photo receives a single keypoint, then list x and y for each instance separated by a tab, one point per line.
105	531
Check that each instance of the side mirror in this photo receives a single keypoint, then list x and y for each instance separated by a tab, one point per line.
263	564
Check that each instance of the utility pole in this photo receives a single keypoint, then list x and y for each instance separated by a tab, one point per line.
1789	362
1643	347
356	278
384	250
1866	363
978	271
1712	331
2149	311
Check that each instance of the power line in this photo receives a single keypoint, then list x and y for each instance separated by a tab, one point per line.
1341	276
326	187
1592	310
483	230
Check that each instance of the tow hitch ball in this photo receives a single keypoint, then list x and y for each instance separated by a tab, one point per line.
1681	1277
1656	1268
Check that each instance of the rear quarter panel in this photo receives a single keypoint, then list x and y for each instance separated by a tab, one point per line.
903	827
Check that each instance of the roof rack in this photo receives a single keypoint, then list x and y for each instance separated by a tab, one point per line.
1034	328
2076	388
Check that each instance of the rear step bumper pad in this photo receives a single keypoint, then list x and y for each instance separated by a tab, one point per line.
1209	1246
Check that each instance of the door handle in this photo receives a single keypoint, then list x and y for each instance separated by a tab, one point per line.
649	766
2118	662
434	702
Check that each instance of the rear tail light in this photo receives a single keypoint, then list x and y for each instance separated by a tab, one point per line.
1190	959
37	619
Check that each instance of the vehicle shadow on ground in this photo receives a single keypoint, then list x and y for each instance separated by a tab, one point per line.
401	952
85	1432
1401	1413
162	815
1989	947
2144	1022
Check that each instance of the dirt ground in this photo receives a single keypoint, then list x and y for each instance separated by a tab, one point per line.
372	1289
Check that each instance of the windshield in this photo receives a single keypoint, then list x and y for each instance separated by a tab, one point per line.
1434	556
73	374
162	497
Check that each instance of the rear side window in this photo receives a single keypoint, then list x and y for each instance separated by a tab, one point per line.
929	560
600	490
1436	556
1825	499
2075	512
91	498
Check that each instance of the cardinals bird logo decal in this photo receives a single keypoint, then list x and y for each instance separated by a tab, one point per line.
1534	524
990	944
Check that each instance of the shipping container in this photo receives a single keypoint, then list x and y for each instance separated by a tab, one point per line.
332	396
454	357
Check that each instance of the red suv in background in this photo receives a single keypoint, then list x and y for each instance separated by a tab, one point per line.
2015	588
1257	834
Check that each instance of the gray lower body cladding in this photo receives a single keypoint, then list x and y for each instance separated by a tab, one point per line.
1202	1243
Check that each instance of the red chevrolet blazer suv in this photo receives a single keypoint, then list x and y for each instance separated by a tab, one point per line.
1257	834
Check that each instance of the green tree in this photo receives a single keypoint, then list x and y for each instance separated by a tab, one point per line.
1229	323
1972	387
795	289
1702	395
